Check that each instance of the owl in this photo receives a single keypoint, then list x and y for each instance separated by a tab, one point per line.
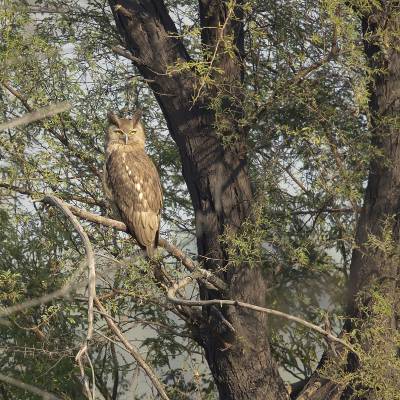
131	180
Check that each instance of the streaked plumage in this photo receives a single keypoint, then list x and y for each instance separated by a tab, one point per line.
131	180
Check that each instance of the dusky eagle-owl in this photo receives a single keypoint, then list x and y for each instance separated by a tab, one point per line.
131	180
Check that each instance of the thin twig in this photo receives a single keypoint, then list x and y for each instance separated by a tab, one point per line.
133	351
29	388
171	296
215	53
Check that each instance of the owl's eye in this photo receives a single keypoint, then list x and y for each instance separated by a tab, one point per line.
132	131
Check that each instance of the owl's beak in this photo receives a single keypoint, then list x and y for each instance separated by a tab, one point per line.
126	138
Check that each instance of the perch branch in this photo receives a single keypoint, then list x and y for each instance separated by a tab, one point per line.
173	250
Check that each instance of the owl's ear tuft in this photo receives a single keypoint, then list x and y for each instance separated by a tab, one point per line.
112	118
136	116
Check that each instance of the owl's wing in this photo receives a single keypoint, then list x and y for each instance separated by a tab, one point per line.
135	185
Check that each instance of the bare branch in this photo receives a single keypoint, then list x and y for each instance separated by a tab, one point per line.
41	113
171	296
133	351
65	196
29	388
63	292
89	256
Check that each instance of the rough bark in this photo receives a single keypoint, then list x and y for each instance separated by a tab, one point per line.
216	177
372	269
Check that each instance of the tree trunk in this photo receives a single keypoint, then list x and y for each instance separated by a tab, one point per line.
372	269
216	176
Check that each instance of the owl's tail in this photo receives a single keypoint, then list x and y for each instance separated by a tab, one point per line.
150	250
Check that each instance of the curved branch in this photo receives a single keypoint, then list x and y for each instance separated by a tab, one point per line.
89	256
176	252
52	200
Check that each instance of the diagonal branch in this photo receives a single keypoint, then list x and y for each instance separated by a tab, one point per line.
39	114
29	388
133	351
62	292
205	276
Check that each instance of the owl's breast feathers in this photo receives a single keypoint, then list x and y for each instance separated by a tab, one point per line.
133	183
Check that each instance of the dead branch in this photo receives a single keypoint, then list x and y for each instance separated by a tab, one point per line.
132	350
171	296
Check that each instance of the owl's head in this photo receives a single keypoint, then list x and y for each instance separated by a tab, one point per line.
125	131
